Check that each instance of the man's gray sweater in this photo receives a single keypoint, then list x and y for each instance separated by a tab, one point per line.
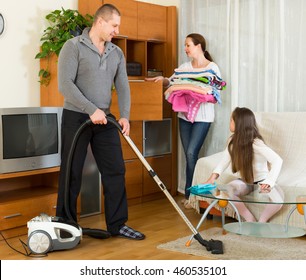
86	78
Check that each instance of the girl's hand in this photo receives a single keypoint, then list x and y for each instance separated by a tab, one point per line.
213	177
264	188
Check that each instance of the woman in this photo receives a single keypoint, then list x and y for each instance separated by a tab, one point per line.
193	133
254	161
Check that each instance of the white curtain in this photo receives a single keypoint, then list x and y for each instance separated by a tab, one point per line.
259	46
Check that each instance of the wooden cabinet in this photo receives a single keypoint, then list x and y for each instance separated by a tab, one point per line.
133	178
49	95
89	6
162	165
152	21
136	135
128	10
24	195
146	101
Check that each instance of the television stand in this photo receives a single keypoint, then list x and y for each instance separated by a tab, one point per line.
24	195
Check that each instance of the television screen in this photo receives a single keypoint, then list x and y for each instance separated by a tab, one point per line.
29	135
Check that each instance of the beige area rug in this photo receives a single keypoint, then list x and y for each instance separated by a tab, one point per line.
238	247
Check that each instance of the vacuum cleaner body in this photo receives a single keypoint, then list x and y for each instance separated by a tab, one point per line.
46	233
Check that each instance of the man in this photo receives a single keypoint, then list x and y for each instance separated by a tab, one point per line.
88	67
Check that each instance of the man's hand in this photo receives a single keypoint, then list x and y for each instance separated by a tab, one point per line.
125	126
98	117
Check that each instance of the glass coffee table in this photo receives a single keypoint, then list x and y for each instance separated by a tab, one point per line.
220	195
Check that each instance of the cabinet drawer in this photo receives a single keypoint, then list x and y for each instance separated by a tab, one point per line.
146	101
19	212
162	167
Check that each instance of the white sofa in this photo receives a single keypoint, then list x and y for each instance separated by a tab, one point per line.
285	133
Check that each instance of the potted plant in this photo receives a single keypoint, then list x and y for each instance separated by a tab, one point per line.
64	24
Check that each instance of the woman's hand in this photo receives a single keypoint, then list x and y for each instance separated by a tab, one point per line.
165	81
155	79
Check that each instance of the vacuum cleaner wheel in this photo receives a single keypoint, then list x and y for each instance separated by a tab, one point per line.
39	242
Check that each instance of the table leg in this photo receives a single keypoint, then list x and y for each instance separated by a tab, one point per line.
236	211
202	220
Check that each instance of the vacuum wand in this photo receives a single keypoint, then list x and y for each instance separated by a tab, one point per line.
215	246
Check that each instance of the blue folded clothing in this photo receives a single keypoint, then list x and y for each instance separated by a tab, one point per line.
202	188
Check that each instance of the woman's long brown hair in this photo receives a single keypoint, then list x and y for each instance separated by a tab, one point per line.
241	143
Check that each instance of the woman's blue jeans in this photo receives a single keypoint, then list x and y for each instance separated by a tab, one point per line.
192	138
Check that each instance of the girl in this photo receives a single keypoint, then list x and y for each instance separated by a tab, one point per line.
254	161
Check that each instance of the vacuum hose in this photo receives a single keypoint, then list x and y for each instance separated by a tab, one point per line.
95	233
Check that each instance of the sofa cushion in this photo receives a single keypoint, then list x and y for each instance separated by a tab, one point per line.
285	133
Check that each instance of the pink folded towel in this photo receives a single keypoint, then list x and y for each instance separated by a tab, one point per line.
188	102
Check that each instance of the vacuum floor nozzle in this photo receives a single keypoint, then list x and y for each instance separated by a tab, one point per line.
214	246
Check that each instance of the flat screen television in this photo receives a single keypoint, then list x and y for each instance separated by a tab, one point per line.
29	138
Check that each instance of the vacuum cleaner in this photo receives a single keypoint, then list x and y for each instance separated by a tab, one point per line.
47	233
44	231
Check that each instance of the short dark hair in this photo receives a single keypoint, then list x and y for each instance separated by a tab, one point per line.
106	11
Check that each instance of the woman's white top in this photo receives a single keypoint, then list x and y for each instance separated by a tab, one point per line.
206	111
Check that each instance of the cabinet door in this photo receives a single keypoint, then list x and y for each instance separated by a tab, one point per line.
146	101
128	10
133	178
136	137
163	168
89	6
152	21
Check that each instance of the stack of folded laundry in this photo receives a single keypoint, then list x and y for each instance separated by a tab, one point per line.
189	89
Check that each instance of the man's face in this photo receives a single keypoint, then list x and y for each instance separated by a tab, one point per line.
110	28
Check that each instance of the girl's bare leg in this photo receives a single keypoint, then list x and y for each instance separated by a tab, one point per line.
239	188
276	195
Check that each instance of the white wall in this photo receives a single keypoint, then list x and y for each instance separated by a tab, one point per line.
20	43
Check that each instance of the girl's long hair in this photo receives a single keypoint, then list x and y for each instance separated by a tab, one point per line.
241	143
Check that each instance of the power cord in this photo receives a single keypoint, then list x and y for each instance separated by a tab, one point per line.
26	252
